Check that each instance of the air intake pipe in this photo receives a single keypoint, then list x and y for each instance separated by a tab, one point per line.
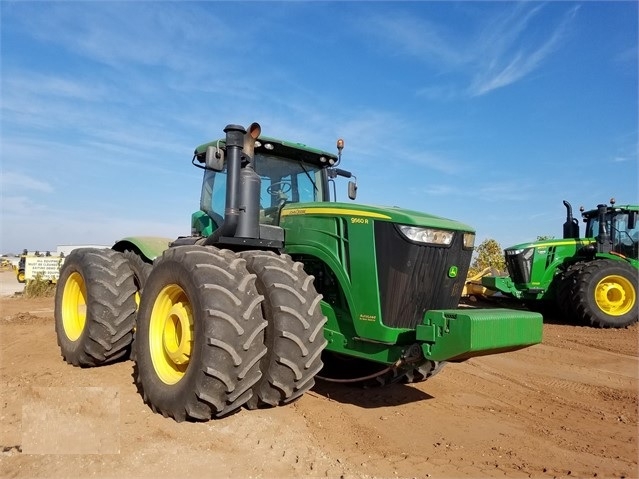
243	184
603	238
248	225
571	226
234	146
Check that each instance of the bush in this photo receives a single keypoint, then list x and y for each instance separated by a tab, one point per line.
39	288
488	255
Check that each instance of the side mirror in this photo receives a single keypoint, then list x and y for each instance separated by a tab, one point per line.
632	220
214	158
352	190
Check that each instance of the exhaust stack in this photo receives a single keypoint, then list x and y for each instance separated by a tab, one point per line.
571	226
242	208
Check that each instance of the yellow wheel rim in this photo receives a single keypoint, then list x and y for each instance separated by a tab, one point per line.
615	295
171	334
138	298
74	306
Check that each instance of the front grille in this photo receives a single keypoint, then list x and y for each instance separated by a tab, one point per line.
414	278
518	265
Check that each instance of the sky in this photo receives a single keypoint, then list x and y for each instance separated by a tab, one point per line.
489	113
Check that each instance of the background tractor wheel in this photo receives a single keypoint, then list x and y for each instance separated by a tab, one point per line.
200	334
606	294
141	270
94	307
295	333
20	276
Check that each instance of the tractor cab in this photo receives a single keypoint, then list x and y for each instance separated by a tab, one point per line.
614	227
289	173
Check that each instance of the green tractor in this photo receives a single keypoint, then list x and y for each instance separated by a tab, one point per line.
276	285
591	279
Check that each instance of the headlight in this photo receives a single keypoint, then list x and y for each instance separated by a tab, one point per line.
427	235
527	252
469	240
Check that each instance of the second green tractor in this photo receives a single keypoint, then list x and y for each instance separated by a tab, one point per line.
590	278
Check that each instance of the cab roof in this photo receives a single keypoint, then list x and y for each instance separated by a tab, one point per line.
616	208
283	148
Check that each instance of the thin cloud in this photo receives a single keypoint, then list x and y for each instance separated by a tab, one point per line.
38	85
505	191
501	54
503	68
438	190
18	182
417	37
145	35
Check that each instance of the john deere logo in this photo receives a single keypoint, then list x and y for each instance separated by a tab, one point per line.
452	272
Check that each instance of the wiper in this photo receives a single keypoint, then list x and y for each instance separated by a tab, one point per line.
309	176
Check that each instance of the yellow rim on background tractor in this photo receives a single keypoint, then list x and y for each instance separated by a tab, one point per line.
21	277
615	295
74	306
171	334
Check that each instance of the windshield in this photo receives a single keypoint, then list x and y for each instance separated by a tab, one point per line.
284	181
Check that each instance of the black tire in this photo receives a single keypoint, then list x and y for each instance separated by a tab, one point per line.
423	372
20	276
200	334
416	375
94	307
295	333
606	294
141	269
368	375
566	291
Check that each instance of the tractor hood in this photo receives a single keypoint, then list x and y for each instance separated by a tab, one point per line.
391	214
543	245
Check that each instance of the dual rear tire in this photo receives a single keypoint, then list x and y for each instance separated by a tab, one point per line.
217	331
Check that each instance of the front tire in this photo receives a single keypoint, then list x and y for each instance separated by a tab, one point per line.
566	291
94	307
606	294
421	373
295	333
200	334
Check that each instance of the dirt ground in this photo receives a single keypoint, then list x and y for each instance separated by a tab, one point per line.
564	408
